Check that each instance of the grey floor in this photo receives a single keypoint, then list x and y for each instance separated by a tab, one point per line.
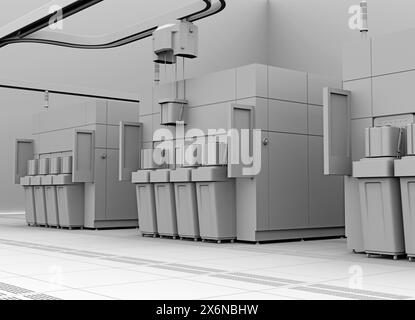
37	263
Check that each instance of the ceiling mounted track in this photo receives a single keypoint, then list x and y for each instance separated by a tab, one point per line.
40	18
28	28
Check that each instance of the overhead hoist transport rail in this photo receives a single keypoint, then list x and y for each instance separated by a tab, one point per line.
31	28
61	89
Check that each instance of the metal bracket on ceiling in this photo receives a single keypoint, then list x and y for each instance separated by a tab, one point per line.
28	28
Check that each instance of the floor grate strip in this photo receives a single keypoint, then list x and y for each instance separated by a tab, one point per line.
248	275
123	261
255	281
166	267
139	260
41	296
196	268
13	289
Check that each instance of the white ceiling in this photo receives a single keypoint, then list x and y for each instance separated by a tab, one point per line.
105	17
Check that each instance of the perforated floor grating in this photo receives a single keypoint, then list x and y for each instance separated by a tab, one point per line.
267	278
13	289
41	296
12	292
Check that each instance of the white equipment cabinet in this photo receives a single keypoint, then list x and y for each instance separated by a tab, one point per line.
380	202
165	203
40	192
30	208
377	74
29	169
86	136
285	195
51	201
70	198
186	203
405	170
146	205
216	203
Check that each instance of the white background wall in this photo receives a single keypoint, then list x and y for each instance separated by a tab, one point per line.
308	34
298	34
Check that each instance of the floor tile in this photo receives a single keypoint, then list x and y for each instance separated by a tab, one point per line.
371	289
236	282
47	268
95	278
403	280
303	295
77	295
248	296
164	289
331	270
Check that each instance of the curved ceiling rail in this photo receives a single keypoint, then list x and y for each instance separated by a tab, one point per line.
135	33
